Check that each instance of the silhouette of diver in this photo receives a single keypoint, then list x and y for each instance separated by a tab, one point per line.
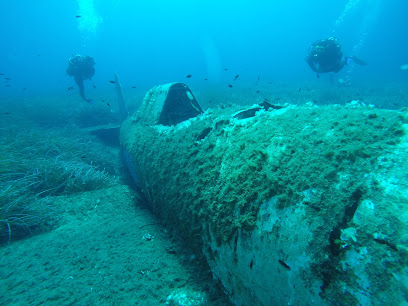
81	68
325	55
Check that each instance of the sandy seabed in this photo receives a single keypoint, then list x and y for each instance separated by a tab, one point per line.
105	251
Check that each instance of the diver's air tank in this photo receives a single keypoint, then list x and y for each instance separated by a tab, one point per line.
293	205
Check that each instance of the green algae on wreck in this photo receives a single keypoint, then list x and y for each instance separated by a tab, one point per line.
218	170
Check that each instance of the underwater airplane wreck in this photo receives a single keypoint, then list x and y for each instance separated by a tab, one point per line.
293	205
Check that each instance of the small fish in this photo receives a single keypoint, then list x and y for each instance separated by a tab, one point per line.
107	103
93	85
113	82
8	79
266	100
70	88
188	76
284	264
277	99
133	86
6	113
225	69
236	77
259	76
1	73
258	91
300	89
230	86
78	16
205	79
7	85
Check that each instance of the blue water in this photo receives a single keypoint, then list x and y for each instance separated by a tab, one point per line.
154	42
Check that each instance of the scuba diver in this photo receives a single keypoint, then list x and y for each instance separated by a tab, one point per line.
325	55
81	68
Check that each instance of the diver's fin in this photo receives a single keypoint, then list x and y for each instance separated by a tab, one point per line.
121	100
358	61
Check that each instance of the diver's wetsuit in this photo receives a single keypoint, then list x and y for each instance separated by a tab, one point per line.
325	55
81	68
